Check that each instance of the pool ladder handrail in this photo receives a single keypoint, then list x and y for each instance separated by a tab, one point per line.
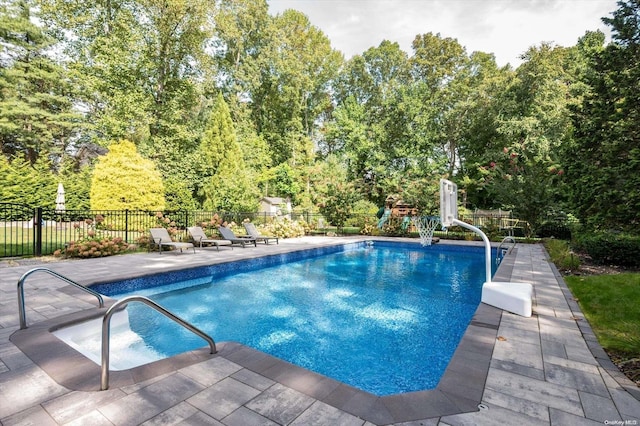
505	241
106	331
21	309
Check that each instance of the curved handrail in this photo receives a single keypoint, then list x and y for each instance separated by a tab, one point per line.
21	309
106	329
504	241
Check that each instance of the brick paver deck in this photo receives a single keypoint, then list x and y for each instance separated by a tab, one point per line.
547	369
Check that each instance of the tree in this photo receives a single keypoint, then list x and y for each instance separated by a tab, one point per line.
104	45
526	173
338	200
370	124
36	94
24	183
227	185
283	182
142	63
296	70
242	34
123	179
605	161
439	99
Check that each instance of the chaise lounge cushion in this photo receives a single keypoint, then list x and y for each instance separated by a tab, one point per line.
253	231
161	238
198	236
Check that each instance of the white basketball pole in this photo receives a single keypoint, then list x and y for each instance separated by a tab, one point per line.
509	296
449	216
487	246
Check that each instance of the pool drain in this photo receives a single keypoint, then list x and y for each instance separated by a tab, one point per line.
483	407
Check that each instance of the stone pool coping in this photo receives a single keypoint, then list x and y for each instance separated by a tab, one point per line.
460	389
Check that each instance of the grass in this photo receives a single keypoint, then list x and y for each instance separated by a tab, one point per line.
611	303
18	241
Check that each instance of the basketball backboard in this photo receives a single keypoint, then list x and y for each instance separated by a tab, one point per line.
448	202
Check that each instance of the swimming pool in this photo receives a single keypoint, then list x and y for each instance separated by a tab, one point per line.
352	313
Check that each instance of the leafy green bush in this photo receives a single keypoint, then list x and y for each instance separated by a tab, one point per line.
369	226
336	203
561	254
361	212
610	247
395	227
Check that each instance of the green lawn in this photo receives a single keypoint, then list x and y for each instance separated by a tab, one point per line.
18	241
611	303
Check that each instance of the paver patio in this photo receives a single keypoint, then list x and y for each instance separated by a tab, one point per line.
547	369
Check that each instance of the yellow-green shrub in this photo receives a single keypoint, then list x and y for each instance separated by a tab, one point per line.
123	179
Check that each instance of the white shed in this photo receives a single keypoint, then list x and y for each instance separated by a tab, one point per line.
275	206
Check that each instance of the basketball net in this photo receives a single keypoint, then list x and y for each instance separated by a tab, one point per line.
425	226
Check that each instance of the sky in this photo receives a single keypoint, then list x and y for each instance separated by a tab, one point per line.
506	28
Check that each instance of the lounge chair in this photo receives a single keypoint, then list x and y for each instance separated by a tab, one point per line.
161	238
199	237
253	231
242	240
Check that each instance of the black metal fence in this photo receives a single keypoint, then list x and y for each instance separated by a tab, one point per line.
29	231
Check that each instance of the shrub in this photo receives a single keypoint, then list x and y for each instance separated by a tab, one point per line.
94	247
561	254
123	179
369	226
361	212
610	247
285	228
210	227
394	227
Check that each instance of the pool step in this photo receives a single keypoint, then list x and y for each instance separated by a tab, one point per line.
512	297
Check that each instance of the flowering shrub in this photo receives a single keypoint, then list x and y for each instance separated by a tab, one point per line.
368	227
94	247
393	227
211	227
92	240
283	228
161	221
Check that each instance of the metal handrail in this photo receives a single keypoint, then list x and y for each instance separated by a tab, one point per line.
106	329
504	241
21	309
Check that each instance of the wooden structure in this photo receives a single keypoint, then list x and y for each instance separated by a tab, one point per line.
401	210
275	206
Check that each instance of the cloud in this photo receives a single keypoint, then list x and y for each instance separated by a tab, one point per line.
506	28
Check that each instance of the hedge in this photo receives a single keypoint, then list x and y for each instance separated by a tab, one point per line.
610	248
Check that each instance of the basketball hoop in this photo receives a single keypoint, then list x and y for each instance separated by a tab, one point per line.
425	226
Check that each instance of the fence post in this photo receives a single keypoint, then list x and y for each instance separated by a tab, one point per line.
126	225
37	232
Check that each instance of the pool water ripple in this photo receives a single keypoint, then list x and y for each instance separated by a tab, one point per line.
385	319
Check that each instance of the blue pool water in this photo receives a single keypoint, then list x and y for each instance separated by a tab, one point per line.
384	318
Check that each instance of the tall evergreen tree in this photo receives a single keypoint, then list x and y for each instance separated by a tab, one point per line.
604	170
23	183
36	94
228	185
